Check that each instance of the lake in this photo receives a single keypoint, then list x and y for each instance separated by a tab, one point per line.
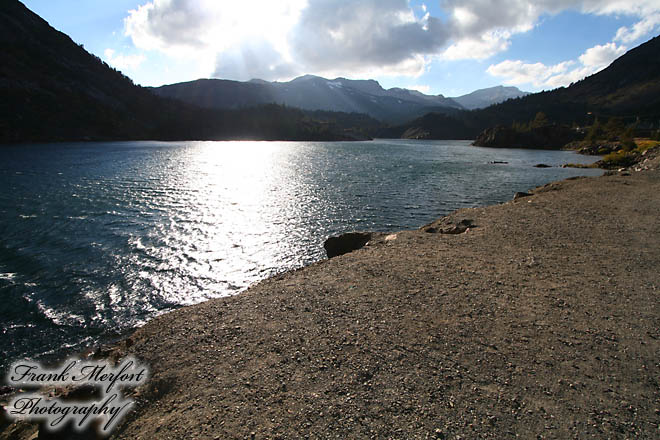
98	238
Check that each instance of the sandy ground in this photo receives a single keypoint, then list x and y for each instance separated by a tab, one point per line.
541	321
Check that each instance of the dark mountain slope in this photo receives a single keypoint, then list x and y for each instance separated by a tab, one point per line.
631	84
52	89
219	94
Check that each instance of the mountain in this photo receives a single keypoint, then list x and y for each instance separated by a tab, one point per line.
54	90
483	98
628	89
311	93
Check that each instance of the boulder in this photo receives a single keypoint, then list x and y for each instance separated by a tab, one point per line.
519	195
345	243
451	228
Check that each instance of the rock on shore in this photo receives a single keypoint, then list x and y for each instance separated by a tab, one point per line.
345	243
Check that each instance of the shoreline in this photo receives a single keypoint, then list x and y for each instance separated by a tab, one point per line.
389	340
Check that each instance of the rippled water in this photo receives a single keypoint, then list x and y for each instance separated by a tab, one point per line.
97	238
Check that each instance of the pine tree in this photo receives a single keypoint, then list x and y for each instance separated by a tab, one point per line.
595	133
540	120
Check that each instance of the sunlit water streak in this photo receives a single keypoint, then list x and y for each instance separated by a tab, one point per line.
98	238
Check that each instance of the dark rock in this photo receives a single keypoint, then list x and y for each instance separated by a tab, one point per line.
542	165
454	230
500	162
519	195
457	228
598	149
345	243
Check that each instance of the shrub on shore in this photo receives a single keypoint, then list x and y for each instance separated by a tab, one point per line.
618	159
622	157
627	157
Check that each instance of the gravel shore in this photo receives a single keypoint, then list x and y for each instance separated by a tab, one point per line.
541	320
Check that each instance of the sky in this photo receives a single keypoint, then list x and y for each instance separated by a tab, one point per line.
448	47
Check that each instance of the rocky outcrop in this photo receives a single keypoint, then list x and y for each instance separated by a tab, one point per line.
448	226
597	149
345	243
629	160
416	133
546	137
520	195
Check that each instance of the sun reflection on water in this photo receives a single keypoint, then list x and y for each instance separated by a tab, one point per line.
233	210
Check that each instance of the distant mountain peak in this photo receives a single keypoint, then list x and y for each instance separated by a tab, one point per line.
311	92
486	97
305	78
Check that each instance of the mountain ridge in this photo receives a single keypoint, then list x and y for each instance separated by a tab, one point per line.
55	90
486	97
629	88
312	92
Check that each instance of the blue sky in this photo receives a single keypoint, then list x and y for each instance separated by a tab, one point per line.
448	47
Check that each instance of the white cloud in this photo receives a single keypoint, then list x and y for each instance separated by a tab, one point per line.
599	57
479	48
121	61
369	35
278	40
207	32
481	28
284	38
644	27
518	72
562	74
